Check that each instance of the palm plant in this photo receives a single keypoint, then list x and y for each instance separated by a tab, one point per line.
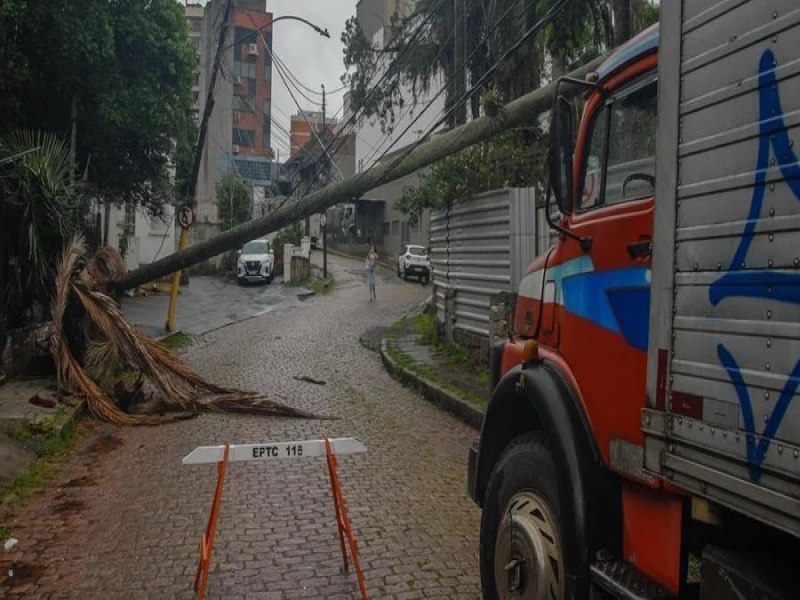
37	201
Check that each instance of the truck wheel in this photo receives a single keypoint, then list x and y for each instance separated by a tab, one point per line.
521	550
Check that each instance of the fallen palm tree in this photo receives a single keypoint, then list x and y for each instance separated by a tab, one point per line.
93	344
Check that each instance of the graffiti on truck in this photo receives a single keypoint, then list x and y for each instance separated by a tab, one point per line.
757	283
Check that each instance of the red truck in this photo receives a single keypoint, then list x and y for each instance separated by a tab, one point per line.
643	433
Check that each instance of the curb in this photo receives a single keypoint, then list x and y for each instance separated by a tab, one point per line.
444	399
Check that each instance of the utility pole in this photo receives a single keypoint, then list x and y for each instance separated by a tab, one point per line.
521	111
198	155
324	124
324	223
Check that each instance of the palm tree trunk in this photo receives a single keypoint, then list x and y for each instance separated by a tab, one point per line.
518	112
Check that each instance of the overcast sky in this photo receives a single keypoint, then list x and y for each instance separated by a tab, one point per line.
313	59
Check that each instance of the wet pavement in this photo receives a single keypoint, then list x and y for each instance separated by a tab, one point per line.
124	518
208	303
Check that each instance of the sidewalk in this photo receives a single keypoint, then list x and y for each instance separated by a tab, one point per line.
444	374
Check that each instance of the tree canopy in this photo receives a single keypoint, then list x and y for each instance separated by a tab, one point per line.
127	67
234	197
455	42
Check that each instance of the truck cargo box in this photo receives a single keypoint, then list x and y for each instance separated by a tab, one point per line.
723	416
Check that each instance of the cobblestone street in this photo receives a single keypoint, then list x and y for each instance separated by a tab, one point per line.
124	518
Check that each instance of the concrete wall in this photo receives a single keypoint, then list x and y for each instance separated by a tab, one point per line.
152	237
395	228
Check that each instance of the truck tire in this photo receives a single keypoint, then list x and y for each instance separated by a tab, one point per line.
521	550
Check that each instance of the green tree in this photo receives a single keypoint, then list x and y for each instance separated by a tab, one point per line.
36	222
234	198
122	68
462	40
144	106
514	159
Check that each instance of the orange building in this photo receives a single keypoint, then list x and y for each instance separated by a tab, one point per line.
252	87
300	132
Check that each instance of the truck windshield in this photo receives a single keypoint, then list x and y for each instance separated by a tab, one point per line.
416	251
621	161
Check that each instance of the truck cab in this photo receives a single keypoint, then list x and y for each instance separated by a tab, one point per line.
614	459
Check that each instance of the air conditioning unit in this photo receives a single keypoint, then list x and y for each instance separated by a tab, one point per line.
253	50
236	148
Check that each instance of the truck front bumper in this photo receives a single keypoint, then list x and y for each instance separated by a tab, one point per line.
472	466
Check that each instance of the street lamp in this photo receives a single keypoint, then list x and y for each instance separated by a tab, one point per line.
258	30
322	32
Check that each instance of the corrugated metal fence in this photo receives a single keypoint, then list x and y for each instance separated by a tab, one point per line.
479	248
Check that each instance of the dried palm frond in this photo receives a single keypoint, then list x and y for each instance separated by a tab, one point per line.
115	342
102	361
106	265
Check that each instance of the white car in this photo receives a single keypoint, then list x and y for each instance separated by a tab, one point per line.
256	262
414	261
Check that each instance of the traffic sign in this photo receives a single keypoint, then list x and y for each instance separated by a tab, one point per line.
272	451
185	216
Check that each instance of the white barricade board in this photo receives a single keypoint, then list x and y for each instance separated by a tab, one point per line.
272	451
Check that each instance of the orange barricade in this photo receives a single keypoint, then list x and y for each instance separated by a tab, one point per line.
207	541
258	452
342	521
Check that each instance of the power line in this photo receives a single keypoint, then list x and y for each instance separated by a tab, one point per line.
444	87
310	126
551	13
457	72
300	83
355	115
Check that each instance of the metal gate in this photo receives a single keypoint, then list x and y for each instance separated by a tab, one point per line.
479	248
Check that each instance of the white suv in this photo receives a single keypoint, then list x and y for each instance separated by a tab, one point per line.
414	261
256	262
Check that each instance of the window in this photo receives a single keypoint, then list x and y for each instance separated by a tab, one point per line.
395	227
244	137
386	226
195	96
256	247
620	165
246	70
243	103
196	78
242	37
195	24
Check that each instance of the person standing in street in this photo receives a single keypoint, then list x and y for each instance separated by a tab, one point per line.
372	259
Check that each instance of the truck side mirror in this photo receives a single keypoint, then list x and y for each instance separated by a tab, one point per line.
561	154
